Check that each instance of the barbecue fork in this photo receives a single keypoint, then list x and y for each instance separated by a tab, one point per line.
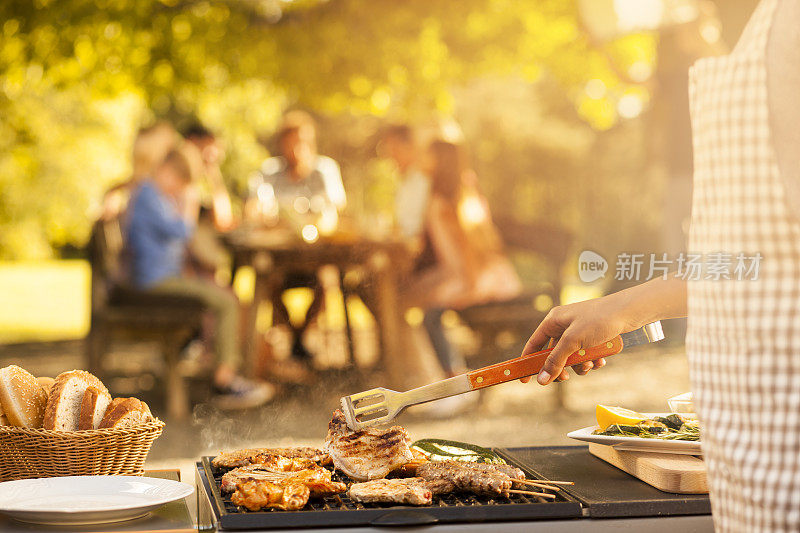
380	406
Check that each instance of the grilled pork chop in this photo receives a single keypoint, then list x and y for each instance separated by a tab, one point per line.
244	457
410	491
368	454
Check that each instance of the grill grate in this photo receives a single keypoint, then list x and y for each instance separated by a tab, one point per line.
340	510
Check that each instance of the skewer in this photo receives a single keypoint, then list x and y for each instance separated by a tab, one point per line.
550	482
531	493
537	484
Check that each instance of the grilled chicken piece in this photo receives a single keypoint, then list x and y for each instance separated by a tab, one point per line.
257	472
410	491
317	479
465	477
270	465
244	457
257	495
410	469
368	454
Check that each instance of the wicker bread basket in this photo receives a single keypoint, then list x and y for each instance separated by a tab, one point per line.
30	453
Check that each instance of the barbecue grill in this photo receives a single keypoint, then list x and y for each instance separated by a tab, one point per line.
339	510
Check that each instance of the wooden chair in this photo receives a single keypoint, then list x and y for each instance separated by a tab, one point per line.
122	313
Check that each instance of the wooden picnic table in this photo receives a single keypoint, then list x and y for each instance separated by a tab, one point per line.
272	253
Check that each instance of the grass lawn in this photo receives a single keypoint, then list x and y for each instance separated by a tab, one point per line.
44	300
49	300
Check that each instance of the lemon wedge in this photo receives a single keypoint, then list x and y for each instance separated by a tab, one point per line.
617	415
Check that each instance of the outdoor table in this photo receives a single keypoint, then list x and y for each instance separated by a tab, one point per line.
273	252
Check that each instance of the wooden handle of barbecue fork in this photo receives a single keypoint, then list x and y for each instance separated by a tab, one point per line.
531	364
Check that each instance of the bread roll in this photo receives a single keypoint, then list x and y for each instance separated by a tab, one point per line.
47	384
93	408
4	421
126	412
22	397
64	405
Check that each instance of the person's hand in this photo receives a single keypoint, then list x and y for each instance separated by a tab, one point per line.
576	326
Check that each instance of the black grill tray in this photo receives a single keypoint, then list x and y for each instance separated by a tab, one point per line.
341	511
605	490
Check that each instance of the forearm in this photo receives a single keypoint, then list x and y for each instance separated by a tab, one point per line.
656	299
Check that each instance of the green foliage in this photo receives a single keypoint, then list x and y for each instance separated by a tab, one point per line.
77	78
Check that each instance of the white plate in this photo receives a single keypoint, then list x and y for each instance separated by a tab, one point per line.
77	500
636	444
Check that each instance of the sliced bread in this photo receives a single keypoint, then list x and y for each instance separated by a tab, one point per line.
93	408
64	405
126	412
47	384
22	397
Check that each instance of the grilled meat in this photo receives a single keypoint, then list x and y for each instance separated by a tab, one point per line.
441	485
244	457
410	491
269	465
256	495
466	477
317	479
511	471
368	454
410	469
257	472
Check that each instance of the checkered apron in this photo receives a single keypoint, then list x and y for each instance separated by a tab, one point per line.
743	338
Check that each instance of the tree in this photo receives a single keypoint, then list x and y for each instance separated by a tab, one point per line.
77	77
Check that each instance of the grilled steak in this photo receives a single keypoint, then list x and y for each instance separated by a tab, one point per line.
466	477
410	491
236	458
368	454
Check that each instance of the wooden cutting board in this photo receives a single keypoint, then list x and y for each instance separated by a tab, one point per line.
682	474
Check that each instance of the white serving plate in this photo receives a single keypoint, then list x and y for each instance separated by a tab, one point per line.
82	500
636	444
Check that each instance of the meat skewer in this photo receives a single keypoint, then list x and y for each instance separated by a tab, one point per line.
478	478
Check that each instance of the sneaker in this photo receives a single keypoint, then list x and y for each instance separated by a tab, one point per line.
243	393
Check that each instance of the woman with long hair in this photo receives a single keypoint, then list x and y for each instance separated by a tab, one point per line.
462	262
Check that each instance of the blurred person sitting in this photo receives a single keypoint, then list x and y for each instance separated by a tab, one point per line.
160	221
212	153
414	190
299	171
150	147
302	181
462	262
207	255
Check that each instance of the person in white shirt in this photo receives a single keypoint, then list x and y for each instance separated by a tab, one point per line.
414	191
300	172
